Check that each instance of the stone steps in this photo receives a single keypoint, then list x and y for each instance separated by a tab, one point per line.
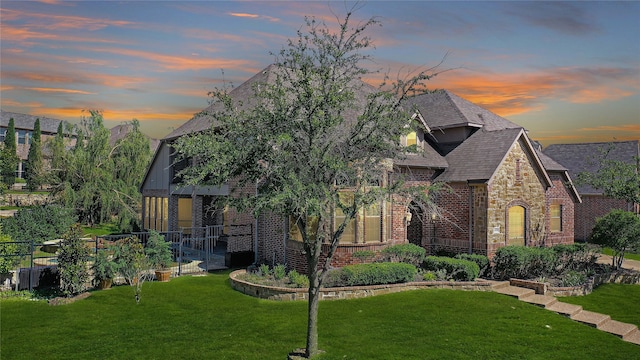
628	332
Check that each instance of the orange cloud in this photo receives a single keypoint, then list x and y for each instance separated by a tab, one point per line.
57	90
253	16
57	22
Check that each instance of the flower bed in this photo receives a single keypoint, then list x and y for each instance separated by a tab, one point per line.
351	292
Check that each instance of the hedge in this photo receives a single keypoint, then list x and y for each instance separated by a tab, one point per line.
406	253
523	262
377	273
457	269
482	260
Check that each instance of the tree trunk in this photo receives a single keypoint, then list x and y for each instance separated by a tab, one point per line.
314	290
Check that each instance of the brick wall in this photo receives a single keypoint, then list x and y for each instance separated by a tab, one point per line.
271	239
559	194
593	207
452	227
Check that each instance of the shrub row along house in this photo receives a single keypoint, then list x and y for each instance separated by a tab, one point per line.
502	190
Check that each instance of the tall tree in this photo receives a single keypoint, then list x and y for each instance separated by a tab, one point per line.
34	169
315	140
100	181
9	155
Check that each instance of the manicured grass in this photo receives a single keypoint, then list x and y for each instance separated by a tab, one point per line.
627	255
100	230
620	301
203	318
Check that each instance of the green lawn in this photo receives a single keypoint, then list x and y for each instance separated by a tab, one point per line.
621	301
627	255
203	318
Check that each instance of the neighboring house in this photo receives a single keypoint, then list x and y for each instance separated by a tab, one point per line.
502	191
24	125
585	157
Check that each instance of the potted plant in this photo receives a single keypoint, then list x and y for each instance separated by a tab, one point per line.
104	270
159	254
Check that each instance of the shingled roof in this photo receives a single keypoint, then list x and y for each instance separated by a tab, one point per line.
244	96
584	157
478	157
27	122
443	109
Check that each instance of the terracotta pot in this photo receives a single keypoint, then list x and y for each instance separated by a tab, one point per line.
163	275
105	284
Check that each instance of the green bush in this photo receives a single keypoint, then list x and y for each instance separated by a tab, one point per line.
363	254
279	271
8	251
456	269
297	279
158	251
378	273
578	256
39	223
72	263
264	270
574	278
618	230
482	260
406	253
523	262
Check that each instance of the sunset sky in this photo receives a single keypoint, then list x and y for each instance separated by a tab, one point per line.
566	71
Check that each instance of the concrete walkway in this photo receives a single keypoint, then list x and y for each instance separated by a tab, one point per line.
628	332
626	263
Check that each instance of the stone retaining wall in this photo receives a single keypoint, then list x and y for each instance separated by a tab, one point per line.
595	281
353	292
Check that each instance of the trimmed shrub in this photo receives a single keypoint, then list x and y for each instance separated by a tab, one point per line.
72	263
363	254
378	273
456	269
406	253
578	256
523	262
482	260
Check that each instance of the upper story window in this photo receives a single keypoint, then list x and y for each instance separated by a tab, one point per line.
3	133
412	138
22	137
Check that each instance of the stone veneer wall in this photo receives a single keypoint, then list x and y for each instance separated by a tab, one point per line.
354	292
511	186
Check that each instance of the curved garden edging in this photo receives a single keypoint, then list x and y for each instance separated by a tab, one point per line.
352	292
618	277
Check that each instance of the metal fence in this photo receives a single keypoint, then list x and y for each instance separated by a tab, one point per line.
194	250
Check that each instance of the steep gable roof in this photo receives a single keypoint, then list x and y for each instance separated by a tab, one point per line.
585	157
443	109
478	158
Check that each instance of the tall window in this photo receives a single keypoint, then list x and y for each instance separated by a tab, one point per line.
184	213
156	213
516	225
3	133
556	217
22	136
365	227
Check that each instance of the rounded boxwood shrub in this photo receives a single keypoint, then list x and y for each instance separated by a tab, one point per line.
377	273
482	260
456	269
406	253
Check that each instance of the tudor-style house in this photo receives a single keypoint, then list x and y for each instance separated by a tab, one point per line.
503	191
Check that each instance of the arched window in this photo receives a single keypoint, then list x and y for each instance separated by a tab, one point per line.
517	228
